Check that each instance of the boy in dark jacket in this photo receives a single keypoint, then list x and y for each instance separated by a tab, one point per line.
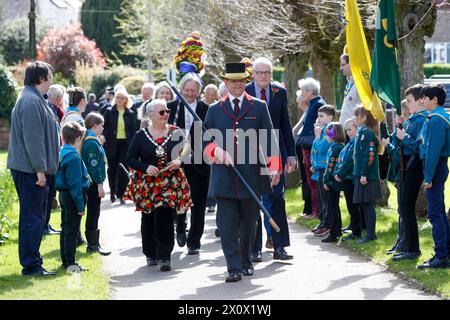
72	180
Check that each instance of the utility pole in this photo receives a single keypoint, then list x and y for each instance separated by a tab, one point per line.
32	29
149	42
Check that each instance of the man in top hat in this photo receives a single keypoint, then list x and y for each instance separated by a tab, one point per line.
243	130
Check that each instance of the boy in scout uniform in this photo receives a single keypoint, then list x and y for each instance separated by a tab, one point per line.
434	152
94	157
235	117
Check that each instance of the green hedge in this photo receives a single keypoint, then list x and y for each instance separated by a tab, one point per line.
431	69
112	77
8	94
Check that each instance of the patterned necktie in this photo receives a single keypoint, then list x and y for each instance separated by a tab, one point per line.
236	107
263	95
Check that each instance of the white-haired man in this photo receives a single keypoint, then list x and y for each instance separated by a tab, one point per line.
210	94
275	97
197	174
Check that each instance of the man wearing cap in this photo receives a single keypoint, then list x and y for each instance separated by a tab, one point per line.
243	130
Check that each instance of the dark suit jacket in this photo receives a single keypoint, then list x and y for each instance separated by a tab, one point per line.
253	115
110	129
196	146
311	116
279	114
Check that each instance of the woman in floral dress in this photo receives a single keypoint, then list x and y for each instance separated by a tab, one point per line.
158	186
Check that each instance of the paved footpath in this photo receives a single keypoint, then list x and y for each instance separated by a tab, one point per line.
318	271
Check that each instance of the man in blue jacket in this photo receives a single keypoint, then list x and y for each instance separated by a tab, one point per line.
434	151
276	99
32	156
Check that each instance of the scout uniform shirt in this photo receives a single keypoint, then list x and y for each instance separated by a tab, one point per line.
351	100
94	157
319	154
344	165
366	155
332	158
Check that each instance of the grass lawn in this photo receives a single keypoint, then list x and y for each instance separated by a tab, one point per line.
90	285
436	281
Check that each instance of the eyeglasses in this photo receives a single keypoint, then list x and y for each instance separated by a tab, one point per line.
263	73
162	112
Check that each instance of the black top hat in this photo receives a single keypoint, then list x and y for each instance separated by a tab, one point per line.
235	71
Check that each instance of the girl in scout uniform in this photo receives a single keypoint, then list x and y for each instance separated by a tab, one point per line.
366	168
336	137
94	157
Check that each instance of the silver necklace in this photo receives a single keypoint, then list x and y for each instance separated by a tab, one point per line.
159	147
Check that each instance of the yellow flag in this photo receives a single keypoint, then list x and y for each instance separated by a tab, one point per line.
360	63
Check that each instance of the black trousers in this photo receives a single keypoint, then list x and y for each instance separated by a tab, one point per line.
368	209
32	200
237	221
93	208
323	215
306	190
70	226
409	190
51	196
157	233
198	185
354	209
334	212
117	178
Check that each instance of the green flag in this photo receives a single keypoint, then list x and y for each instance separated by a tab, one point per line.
385	77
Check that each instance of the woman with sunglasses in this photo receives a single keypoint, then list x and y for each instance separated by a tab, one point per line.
158	186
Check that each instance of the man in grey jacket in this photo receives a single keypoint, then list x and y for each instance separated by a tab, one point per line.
33	154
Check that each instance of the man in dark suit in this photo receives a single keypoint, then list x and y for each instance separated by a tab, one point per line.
91	106
276	99
197	172
234	121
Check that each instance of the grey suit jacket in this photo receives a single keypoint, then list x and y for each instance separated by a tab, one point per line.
250	157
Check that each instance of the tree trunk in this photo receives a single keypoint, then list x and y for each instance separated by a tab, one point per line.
295	66
411	54
324	71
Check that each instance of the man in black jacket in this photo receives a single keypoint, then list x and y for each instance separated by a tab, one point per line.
197	172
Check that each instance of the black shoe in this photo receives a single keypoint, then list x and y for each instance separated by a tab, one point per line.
122	201
434	263
281	254
192	251
42	273
350	237
233	277
152	261
330	238
248	271
347	229
256	256
164	265
211	209
406	256
392	250
50	231
217	232
113	198
80	240
181	238
316	228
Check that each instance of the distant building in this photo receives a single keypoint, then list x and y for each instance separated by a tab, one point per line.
57	12
437	48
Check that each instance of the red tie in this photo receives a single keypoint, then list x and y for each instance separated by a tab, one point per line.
236	107
263	95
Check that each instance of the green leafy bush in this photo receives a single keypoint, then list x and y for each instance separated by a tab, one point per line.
133	84
8	94
431	69
7	198
112	77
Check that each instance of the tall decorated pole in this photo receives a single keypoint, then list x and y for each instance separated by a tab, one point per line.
32	29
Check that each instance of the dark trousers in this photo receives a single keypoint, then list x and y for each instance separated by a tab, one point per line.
117	178
334	212
32	201
51	196
157	233
312	184
198	185
323	215
409	190
354	209
237	221
210	202
306	190
275	204
436	211
400	244
70	227
368	209
93	208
